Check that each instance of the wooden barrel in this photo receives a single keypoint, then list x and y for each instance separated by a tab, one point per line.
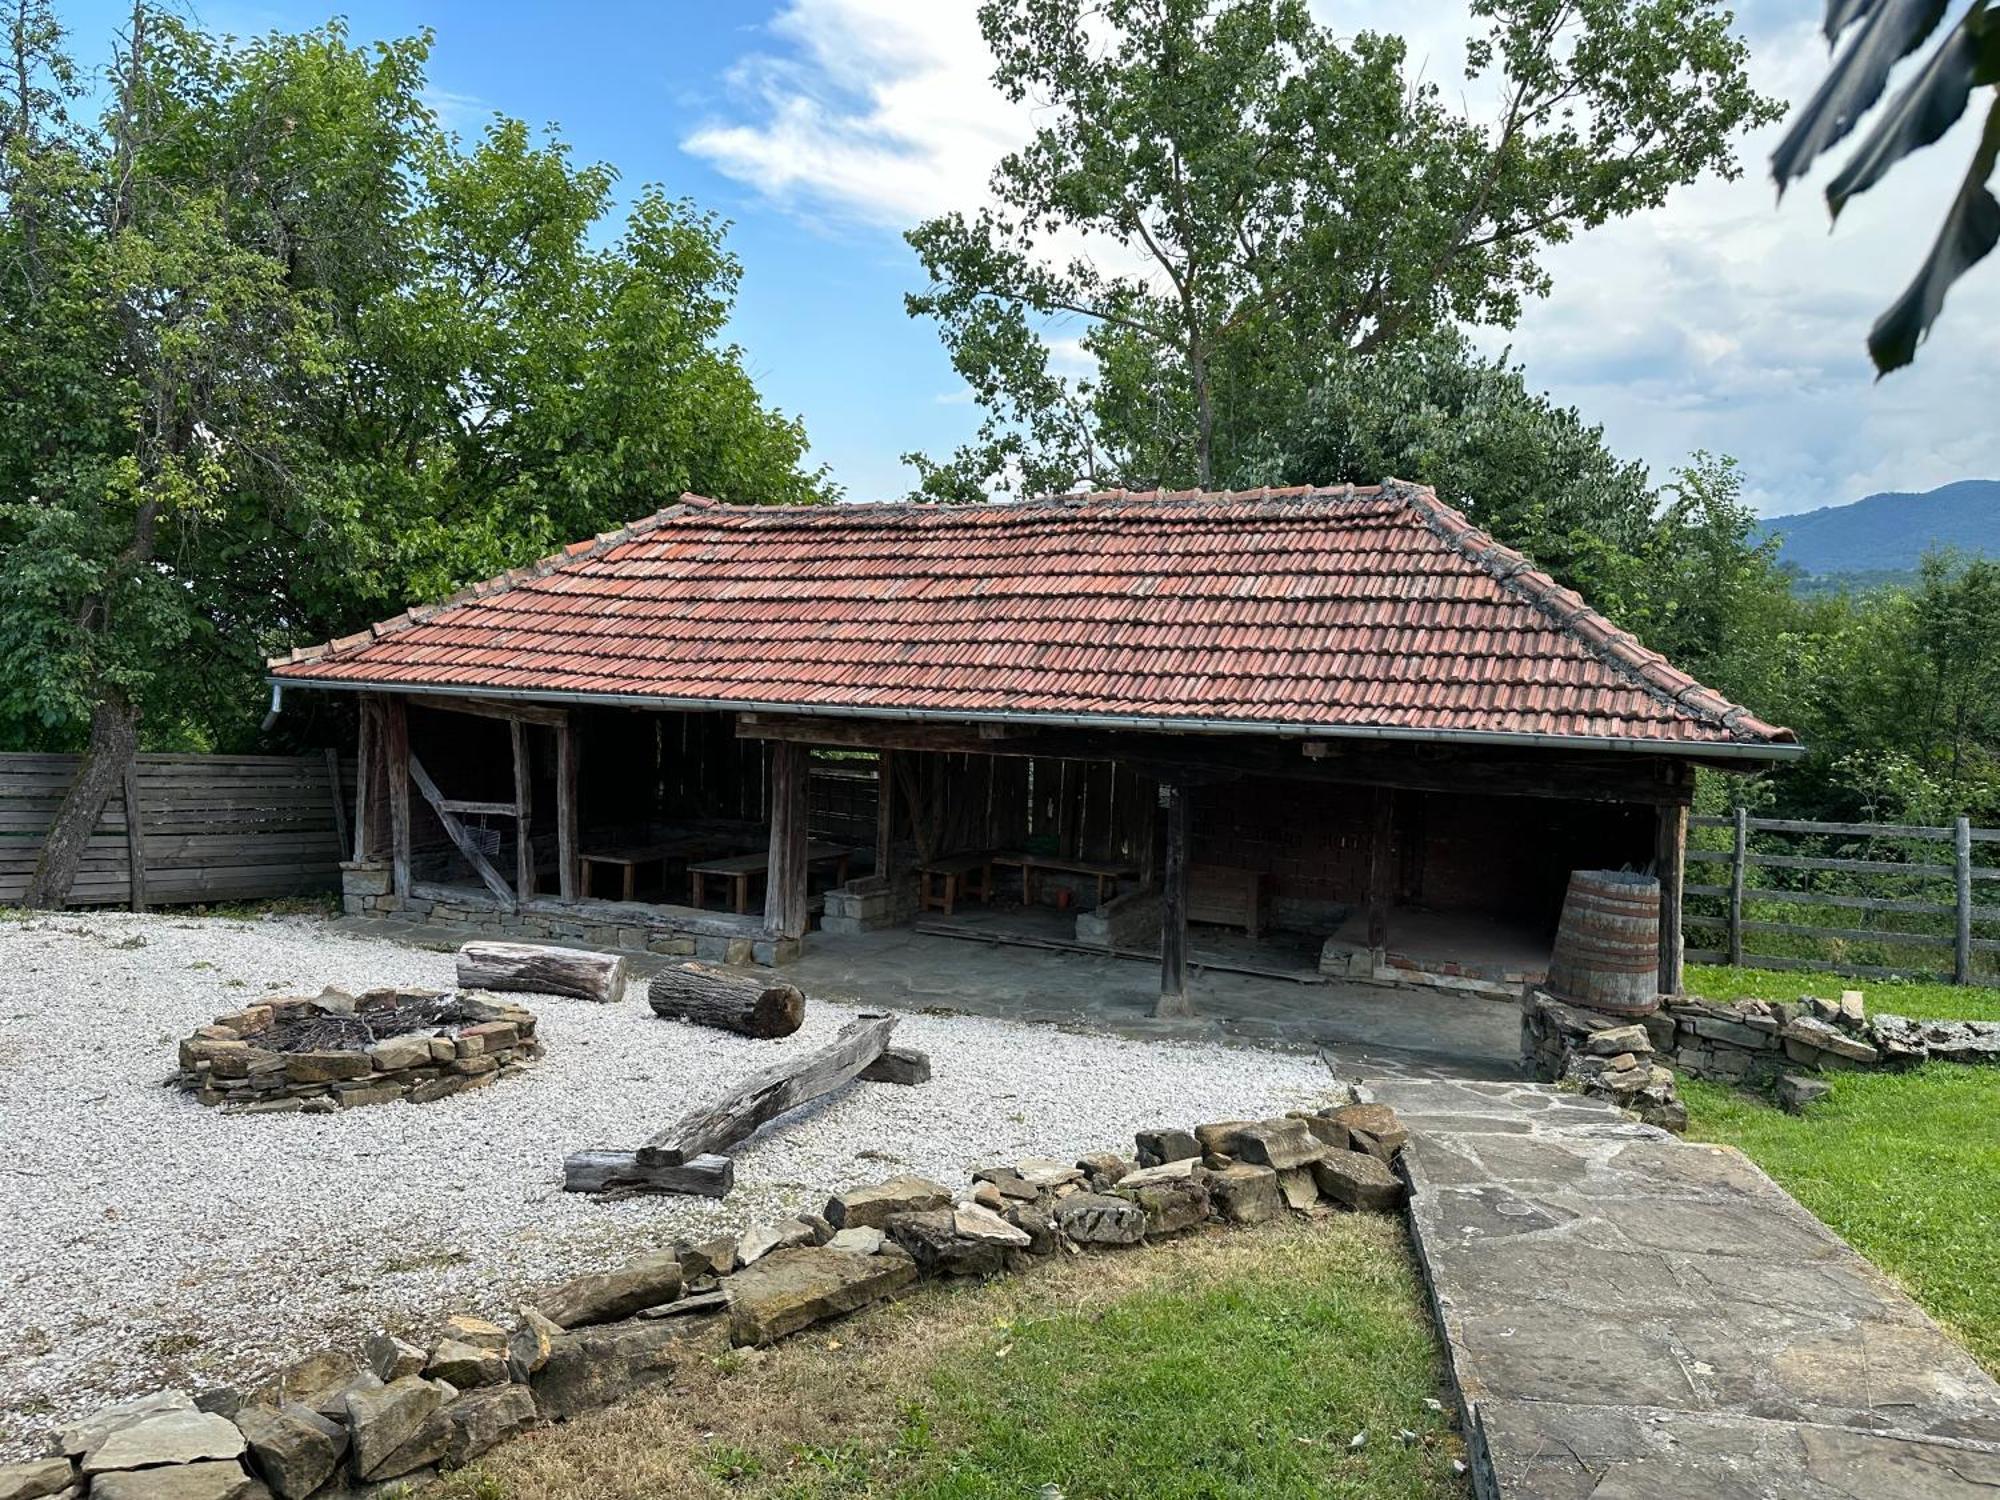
1607	953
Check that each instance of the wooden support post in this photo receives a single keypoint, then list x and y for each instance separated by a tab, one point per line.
396	760
340	828
1174	906
566	815
1381	844
885	814
135	839
785	876
1961	959
524	813
1669	864
364	772
1736	863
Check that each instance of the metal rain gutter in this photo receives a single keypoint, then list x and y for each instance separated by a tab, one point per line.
1733	750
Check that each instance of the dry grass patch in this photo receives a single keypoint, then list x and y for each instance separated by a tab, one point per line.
1232	1363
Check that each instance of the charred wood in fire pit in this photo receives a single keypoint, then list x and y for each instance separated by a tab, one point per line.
755	1005
542	971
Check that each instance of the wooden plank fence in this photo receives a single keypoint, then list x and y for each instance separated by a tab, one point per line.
1933	858
208	828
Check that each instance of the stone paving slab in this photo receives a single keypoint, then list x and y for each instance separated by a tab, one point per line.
1631	1316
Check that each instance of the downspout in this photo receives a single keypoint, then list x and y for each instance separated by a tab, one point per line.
277	707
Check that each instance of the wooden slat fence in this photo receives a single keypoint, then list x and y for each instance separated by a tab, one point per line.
1768	890
211	828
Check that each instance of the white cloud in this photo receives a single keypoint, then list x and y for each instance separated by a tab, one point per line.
1718	322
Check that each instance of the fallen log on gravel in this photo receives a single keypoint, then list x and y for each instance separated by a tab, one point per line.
542	971
765	1095
754	1004
622	1171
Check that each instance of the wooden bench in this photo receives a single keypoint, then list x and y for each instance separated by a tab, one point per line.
626	859
952	871
1230	896
739	871
1107	873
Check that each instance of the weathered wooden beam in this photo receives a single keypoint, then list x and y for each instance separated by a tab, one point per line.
524	812
492	708
1173	999
623	1172
771	1092
396	761
466	806
1670	866
340	829
785	912
365	741
1381	841
566	813
135	840
455	831
885	814
541	970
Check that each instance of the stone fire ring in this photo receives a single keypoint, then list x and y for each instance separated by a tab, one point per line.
315	1054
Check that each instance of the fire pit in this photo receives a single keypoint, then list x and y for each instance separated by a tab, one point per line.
316	1054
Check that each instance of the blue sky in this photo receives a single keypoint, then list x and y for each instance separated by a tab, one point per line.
821	128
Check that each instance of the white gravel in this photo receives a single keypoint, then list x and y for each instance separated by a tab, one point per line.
145	1240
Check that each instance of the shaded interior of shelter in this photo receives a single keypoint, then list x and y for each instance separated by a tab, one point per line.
672	812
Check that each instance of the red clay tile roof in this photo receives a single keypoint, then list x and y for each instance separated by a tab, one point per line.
1375	610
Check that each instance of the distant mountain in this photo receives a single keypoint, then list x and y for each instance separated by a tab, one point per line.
1888	534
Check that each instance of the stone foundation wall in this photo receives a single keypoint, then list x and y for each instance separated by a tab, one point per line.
367	890
222	1064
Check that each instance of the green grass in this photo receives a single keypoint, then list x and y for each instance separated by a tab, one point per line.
1250	1388
1904	1166
1228	1365
1926	1001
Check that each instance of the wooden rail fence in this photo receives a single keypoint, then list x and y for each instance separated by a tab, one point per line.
207	828
1941	857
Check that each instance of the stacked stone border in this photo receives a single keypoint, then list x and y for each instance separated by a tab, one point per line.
223	1064
336	1425
1779	1045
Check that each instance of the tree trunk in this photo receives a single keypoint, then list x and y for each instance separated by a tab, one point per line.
114	742
755	1005
541	971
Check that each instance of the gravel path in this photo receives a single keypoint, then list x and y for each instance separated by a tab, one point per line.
145	1240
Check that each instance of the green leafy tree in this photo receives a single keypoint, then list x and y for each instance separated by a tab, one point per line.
1226	197
279	356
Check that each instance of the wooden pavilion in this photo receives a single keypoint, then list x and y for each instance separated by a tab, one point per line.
1342	712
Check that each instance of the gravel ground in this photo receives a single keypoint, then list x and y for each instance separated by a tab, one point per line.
147	1241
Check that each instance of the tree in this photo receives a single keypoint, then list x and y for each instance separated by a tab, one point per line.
280	356
1226	197
1966	58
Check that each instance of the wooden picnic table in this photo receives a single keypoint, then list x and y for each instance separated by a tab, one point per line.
1106	872
941	881
739	870
627	858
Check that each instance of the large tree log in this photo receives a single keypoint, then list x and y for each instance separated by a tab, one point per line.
764	1096
541	971
622	1171
752	1004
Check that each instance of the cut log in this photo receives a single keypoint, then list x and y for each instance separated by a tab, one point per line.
898	1065
541	971
754	1004
622	1171
765	1095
